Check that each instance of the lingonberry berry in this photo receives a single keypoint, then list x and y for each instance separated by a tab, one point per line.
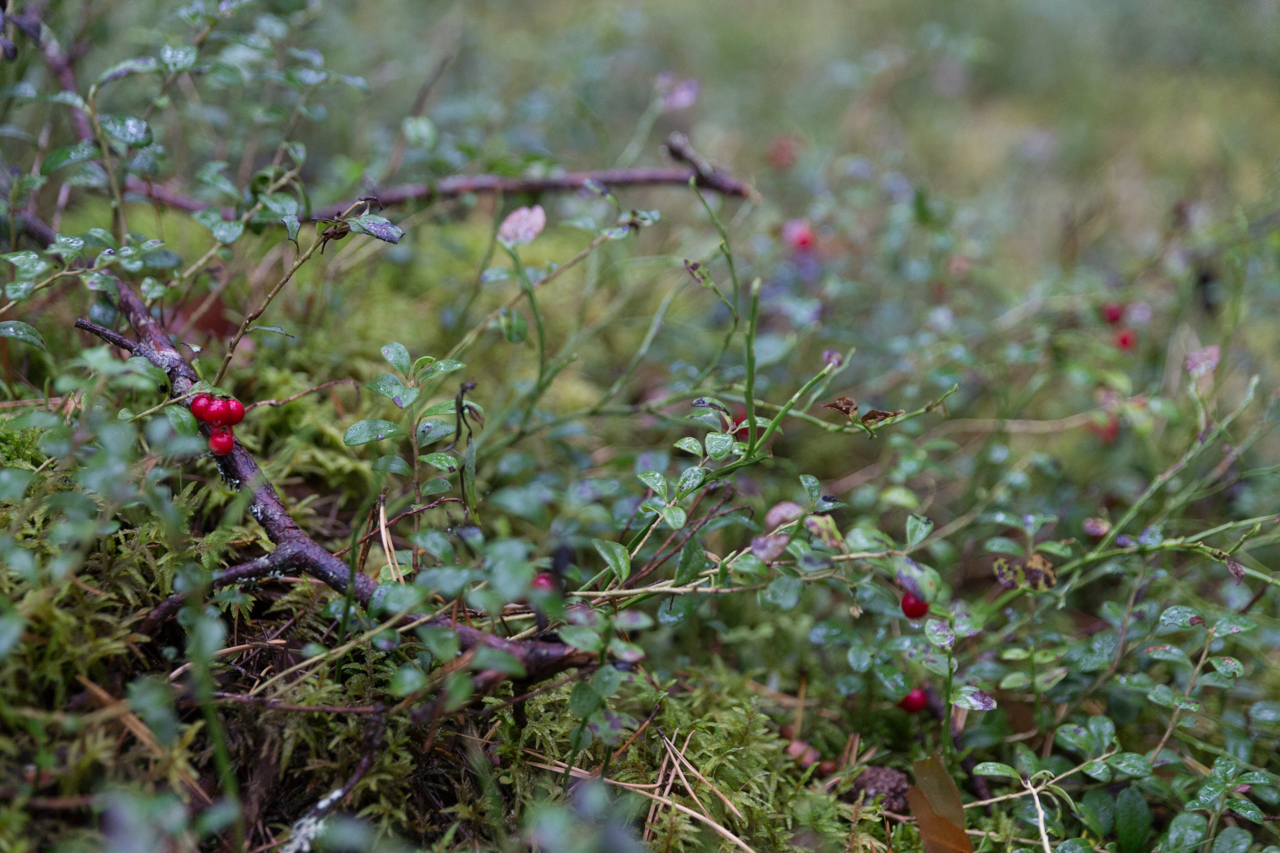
235	411
1126	339
912	607
1112	312
221	442
218	414
544	581
914	701
200	407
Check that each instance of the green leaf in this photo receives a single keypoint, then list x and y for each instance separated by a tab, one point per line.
390	386
177	58
812	486
1002	545
675	517
939	634
1232	839
719	445
376	226
606	681
78	153
582	637
407	679
182	421
1015	681
1178	618
783	593
515	328
1233	623
1246	809
136	65
1103	808
1133	820
20	331
1077	739
654	481
291	225
690	480
1227	666
1131	763
690	445
968	696
393	464
918	529
11	625
440	368
224	231
488	657
1173	654
616	557
443	461
397	355
13	483
693	561
583	700
363	432
436	486
995	768
128	129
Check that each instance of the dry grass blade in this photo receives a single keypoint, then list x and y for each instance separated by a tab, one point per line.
578	773
140	730
703	779
677	760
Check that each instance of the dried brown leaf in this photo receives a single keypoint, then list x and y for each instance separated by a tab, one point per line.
844	405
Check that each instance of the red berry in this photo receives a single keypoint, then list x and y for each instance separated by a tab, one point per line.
543	581
200	407
798	234
235	411
218	413
1126	339
912	607
221	442
1113	312
914	701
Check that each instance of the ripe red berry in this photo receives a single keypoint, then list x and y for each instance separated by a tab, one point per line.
914	701
235	411
912	607
827	768
221	442
218	413
544	581
200	407
1113	312
1126	339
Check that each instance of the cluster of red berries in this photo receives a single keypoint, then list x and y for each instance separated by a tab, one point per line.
221	414
1113	314
914	608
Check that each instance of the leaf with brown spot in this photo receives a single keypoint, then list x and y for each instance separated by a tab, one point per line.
875	416
844	405
824	527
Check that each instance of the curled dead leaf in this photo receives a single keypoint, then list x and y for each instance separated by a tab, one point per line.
844	405
875	416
